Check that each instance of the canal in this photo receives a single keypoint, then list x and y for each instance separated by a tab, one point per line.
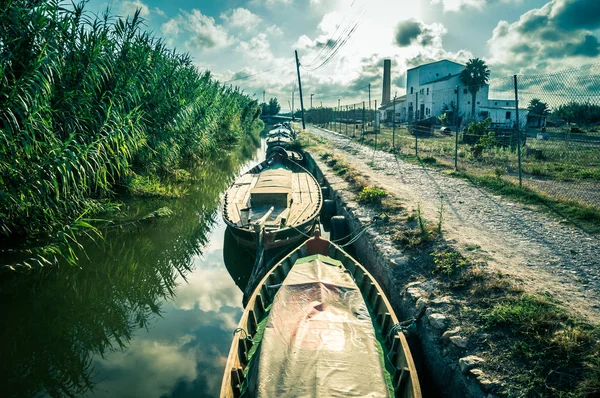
149	312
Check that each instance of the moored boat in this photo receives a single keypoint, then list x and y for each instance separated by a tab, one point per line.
319	325
277	198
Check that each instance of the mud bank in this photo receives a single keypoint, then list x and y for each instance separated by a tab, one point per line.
441	355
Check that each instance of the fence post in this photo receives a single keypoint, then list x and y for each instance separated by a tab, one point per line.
346	119
374	130
362	133
457	128
417	116
518	132
354	122
394	126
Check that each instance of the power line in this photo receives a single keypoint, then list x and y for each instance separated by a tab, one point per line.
338	43
255	74
341	94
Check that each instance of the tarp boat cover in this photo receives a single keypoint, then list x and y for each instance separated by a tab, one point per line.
318	340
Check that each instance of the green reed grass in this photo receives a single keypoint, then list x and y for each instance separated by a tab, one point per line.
87	102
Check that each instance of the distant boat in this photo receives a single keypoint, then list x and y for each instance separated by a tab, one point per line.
319	325
279	196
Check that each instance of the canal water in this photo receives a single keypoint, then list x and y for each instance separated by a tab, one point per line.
149	313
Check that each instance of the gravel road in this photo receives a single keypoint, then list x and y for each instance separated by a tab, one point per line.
543	252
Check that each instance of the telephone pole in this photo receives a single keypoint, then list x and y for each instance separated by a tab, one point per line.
293	104
369	96
300	89
264	98
311	100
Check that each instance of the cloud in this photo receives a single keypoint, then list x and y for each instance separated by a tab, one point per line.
129	7
202	31
257	48
416	32
556	36
270	2
241	18
274	30
458	5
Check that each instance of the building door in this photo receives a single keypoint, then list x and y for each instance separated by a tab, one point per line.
422	111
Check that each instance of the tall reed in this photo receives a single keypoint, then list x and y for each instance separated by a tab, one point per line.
87	102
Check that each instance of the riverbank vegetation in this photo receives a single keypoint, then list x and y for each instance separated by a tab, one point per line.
93	106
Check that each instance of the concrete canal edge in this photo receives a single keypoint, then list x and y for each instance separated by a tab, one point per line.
444	367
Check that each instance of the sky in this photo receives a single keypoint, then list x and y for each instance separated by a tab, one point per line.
251	43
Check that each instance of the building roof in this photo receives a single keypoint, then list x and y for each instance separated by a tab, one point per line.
435	62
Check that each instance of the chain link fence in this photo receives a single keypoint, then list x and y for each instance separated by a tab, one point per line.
541	132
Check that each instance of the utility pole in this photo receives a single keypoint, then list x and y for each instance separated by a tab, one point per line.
457	129
311	100
293	105
264	98
300	89
369	96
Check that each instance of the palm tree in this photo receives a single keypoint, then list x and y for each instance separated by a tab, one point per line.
475	76
538	107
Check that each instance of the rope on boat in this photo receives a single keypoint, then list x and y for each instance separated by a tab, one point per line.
377	219
406	326
246	335
362	230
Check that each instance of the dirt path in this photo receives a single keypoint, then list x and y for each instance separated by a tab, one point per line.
545	254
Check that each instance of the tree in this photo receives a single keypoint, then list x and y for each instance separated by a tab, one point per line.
475	76
274	107
538	107
265	109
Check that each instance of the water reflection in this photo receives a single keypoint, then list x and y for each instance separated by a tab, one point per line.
125	323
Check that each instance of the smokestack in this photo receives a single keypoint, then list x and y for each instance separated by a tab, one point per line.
387	82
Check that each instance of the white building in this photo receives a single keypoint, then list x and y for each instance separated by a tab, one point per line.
434	88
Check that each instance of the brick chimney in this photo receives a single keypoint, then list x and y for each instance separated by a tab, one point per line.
387	82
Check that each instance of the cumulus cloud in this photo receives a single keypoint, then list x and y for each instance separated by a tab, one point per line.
270	2
257	48
241	18
130	7
203	33
458	5
416	32
562	32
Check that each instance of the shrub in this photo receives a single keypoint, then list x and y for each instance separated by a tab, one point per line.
372	195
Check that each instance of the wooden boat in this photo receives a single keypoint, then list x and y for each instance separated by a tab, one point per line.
278	198
306	331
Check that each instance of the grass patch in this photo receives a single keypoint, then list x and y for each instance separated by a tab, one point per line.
449	262
371	195
557	354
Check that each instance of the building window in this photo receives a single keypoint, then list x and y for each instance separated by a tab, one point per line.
484	114
411	90
477	102
427	90
422	91
508	115
464	90
437	74
495	103
507	104
469	102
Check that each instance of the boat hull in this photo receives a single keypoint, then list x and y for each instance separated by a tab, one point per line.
274	239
